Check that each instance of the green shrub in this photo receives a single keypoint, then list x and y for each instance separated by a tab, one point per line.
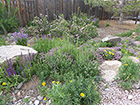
8	18
84	19
45	45
39	26
74	92
128	73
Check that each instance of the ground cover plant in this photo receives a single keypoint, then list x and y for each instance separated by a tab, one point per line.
128	73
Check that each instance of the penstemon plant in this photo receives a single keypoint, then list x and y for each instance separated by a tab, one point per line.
20	38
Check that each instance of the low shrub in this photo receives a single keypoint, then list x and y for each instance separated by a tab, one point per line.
46	44
74	92
39	26
128	73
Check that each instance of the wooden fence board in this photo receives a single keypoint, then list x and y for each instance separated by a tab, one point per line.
28	9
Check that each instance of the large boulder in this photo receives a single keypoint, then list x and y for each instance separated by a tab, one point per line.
12	51
112	39
109	70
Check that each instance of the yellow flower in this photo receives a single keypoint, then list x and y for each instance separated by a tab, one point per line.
137	58
110	52
71	81
94	44
4	83
126	64
108	48
28	45
43	83
125	52
105	51
53	81
106	55
82	94
45	98
6	41
57	82
82	42
113	50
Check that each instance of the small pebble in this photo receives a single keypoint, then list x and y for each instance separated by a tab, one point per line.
36	102
39	98
18	94
130	97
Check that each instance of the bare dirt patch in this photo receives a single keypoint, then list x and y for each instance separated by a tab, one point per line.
114	28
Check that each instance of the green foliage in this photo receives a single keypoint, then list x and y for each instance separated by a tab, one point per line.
3	41
79	29
74	92
125	34
8	18
39	26
128	73
4	99
84	19
127	50
105	44
45	45
109	54
107	24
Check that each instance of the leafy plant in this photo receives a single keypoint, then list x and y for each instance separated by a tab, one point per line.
39	26
4	99
74	92
128	73
107	24
20	38
8	18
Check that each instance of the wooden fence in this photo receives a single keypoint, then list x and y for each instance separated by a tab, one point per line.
28	9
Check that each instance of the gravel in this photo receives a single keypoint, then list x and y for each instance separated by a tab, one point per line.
114	95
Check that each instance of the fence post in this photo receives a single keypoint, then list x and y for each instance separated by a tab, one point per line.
19	12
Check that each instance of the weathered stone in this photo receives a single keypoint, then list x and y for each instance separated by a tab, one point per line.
12	51
39	98
112	39
20	85
109	70
36	102
130	97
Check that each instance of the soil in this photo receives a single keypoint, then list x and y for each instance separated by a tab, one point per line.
114	28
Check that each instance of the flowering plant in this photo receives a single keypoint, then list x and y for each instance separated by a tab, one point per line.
40	26
77	92
20	38
128	73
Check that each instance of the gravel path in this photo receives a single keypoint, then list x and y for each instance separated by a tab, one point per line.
114	95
